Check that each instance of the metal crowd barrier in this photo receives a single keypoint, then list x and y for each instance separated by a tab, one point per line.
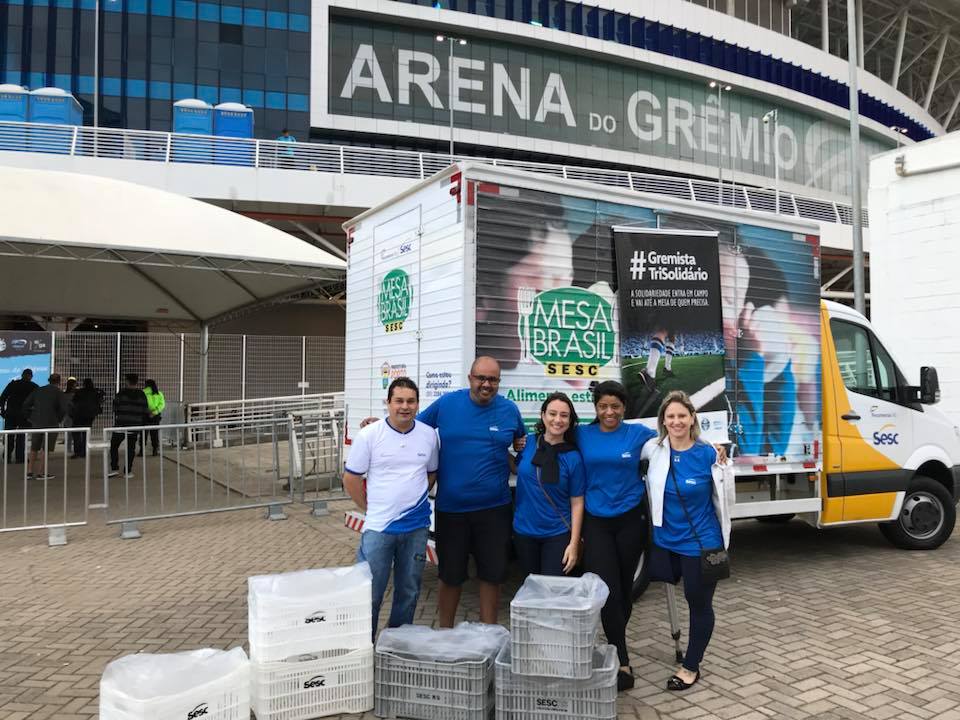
255	409
227	465
43	485
316	456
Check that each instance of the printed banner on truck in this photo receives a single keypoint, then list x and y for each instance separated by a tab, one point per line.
549	305
671	326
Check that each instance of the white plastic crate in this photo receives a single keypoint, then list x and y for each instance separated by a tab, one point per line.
202	684
329	682
520	697
554	623
304	612
427	674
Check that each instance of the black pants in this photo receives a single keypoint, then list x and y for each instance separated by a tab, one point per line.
541	556
78	441
669	566
612	547
16	444
116	439
154	434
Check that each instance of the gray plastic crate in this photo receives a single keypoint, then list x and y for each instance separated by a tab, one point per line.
408	687
520	697
554	622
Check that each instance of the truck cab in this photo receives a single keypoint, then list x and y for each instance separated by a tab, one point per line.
889	454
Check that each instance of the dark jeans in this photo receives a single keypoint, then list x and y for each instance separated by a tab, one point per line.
699	596
612	547
154	434
541	556
78	441
16	444
116	439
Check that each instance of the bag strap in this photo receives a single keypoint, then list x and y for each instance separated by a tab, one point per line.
552	503
683	505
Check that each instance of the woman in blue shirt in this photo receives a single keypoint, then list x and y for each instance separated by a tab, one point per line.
688	512
615	523
550	482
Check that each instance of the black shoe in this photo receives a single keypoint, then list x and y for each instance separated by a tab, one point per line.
668	373
625	680
648	382
678	685
155	452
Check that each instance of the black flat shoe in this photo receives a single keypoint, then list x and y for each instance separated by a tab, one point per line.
678	685
625	680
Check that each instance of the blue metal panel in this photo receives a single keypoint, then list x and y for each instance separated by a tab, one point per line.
254	17
164	8
607	18
231	15
276	20
653	36
186	9
230	94
297	101
136	88
623	28
276	101
208	12
559	18
159	90
300	23
576	18
592	23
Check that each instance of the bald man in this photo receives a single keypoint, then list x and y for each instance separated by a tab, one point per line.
474	513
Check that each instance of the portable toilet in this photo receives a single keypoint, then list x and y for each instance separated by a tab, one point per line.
192	117
53	106
235	121
13	109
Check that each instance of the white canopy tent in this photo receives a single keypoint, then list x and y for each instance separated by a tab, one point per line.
87	246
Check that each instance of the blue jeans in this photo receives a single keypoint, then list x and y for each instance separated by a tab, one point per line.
405	554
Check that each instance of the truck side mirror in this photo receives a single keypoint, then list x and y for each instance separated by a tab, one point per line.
929	386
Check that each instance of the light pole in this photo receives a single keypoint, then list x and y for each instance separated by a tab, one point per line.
900	131
721	87
772	115
451	40
96	64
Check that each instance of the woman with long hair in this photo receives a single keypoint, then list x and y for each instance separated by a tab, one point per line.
615	523
548	513
686	485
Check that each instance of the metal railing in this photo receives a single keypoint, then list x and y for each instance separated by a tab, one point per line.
316	456
152	146
45	484
228	465
261	408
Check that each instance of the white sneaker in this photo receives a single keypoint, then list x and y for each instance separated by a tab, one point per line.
44	477
113	473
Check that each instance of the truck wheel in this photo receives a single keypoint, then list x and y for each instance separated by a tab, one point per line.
776	519
641	577
926	519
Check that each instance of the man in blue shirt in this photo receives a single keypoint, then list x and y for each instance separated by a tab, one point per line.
474	516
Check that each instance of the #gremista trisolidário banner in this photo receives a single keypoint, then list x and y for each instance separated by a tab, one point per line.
671	324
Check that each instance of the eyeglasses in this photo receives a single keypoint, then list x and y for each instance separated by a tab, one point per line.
492	379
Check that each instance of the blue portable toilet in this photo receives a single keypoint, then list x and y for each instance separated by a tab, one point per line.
53	106
234	120
13	109
192	117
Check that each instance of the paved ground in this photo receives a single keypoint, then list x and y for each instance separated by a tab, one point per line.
815	624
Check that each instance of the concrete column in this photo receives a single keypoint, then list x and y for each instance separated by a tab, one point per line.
825	26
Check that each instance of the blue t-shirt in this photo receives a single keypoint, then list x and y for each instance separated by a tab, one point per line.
612	463
692	470
533	514
474	473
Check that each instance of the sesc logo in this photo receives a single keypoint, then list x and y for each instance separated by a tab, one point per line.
887	435
198	711
548	703
315	682
318	617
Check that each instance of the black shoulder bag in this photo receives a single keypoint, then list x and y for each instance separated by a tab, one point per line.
714	562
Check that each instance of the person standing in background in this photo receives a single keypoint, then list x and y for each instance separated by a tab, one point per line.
129	410
87	405
11	405
45	408
155	404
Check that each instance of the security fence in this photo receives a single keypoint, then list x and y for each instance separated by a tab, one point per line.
240	367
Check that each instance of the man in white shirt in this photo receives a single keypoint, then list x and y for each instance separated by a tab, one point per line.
399	458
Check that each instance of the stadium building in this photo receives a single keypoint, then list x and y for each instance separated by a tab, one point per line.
719	101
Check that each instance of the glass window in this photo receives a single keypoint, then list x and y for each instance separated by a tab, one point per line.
232	34
254	36
887	378
854	357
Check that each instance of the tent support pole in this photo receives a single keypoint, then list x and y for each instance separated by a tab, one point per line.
204	354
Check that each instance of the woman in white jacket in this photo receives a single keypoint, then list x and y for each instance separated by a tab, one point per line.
689	509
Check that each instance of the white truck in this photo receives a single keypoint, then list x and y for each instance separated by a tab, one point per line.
568	283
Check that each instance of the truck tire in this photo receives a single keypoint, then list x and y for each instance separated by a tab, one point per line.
777	519
641	577
926	519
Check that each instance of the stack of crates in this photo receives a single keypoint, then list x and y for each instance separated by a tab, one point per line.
311	650
552	668
427	674
214	684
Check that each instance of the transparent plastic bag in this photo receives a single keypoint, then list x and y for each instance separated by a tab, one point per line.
293	587
562	593
465	642
146	676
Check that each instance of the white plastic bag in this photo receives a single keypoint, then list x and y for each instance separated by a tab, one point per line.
294	587
465	642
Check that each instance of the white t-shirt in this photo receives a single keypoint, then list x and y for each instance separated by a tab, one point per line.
396	465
